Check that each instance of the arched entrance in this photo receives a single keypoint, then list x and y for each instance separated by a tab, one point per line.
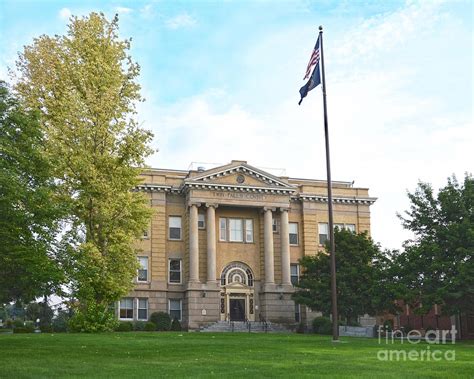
237	293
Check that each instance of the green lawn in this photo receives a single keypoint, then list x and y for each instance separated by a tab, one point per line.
145	355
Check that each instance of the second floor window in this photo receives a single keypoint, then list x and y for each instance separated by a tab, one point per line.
223	229
351	227
276	225
293	233
201	221
323	232
236	230
175	227
175	271
249	230
143	269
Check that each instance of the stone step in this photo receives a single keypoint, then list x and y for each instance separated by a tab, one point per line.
255	327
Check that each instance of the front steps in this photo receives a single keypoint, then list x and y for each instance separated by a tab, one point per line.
243	327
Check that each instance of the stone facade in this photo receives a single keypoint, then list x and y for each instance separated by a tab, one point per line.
233	256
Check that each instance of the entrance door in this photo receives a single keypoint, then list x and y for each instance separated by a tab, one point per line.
237	309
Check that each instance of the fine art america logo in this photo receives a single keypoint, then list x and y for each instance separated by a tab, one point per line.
419	347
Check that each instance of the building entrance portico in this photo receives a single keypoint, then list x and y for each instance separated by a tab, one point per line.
237	293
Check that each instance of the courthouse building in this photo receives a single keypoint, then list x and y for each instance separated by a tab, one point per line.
224	243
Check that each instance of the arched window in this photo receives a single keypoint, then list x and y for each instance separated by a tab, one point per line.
237	272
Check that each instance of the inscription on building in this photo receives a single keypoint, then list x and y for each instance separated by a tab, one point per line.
236	195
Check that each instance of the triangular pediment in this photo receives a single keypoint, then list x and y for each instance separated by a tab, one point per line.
239	174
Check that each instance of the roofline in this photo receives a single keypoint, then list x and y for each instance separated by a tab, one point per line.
322	181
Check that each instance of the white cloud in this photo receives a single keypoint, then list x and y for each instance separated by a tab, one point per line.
182	20
65	13
123	10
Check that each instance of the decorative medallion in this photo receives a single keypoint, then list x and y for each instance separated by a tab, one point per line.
240	178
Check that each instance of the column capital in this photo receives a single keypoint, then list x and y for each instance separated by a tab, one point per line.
213	205
191	203
269	209
284	209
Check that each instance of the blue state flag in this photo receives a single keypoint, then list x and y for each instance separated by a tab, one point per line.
313	82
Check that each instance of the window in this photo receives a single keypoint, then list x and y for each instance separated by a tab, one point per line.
297	312
143	269
201	221
175	227
143	309
175	271
145	235
249	230
175	309
339	226
126	308
351	227
295	274
293	233
235	230
223	229
275	226
323	233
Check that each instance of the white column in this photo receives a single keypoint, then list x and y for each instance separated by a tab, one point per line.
193	244
285	247
268	246
211	242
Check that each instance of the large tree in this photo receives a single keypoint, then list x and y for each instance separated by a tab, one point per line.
362	272
84	85
437	265
29	210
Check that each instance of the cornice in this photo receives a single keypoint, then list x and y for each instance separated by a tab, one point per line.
157	188
237	188
336	199
294	195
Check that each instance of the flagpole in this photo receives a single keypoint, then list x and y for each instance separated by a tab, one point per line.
335	324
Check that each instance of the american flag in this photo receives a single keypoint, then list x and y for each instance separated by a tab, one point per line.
313	60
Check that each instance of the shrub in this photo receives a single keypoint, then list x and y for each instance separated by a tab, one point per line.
301	328
388	325
124	326
93	318
322	325
162	320
60	322
176	325
150	326
23	327
30	325
352	323
407	328
139	326
18	323
45	328
22	330
8	324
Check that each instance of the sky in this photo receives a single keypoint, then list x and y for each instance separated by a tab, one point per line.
221	81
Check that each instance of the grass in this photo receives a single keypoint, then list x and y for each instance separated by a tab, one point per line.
176	355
